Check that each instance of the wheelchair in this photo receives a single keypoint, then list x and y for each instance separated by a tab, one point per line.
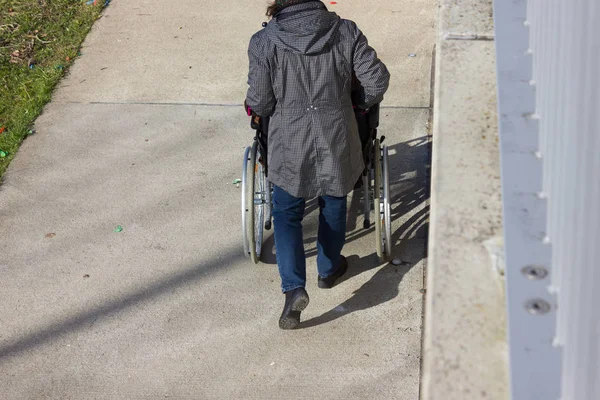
376	180
257	191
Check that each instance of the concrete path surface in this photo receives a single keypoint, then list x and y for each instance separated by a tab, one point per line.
147	132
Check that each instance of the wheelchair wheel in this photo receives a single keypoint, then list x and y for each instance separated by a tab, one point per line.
382	204
387	207
377	200
256	203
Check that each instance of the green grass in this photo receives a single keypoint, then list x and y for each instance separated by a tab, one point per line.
39	39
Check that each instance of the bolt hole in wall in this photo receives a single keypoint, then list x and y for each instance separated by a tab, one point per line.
535	272
537	306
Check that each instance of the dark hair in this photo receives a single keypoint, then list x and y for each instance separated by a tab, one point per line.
278	5
274	8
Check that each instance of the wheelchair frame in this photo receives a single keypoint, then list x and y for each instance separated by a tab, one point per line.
257	191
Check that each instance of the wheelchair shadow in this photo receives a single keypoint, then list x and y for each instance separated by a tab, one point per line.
409	190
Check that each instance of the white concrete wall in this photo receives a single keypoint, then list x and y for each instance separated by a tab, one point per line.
548	63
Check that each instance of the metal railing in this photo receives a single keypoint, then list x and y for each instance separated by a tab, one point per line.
548	61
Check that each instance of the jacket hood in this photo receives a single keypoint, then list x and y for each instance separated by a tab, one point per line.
306	28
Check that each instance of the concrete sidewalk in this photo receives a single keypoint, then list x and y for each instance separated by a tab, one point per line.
147	132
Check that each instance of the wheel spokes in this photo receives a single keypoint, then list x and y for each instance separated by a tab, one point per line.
259	204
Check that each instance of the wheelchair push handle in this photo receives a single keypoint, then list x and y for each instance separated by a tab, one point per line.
257	122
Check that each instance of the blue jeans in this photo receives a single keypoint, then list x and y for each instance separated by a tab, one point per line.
288	212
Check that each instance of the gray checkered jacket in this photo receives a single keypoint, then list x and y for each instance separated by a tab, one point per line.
301	68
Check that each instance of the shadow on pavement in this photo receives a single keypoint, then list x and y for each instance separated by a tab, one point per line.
381	288
84	319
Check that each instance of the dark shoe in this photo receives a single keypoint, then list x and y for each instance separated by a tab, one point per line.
327	283
295	302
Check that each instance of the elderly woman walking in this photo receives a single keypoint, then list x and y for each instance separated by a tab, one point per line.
301	72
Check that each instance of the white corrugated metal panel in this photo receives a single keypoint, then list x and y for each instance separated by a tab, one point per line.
564	43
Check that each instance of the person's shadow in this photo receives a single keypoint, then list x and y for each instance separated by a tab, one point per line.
383	286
